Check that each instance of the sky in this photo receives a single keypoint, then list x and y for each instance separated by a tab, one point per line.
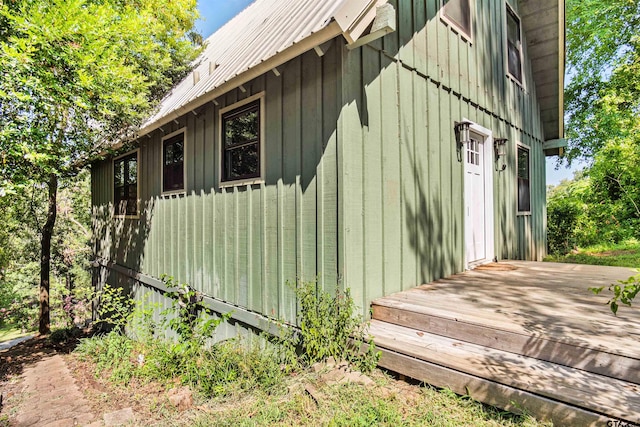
215	13
555	176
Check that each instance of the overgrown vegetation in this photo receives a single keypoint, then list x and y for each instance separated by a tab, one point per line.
137	347
78	78
267	382
329	328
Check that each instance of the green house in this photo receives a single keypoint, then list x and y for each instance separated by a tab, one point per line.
365	144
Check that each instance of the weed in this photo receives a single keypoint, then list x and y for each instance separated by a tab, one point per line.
329	328
115	307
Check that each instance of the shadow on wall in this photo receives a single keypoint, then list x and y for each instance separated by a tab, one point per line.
119	239
244	242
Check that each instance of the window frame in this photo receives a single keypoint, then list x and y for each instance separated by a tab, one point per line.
260	98
510	10
454	25
521	146
113	185
183	190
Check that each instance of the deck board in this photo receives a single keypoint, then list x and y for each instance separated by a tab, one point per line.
576	387
531	328
539	299
565	352
492	393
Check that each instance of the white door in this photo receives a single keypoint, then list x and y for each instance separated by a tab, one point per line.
475	200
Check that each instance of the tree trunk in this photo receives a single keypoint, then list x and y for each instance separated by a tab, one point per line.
45	257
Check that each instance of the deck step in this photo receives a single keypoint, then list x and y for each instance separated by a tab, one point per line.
490	330
565	395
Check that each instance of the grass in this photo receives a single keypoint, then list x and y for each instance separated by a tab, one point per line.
387	403
10	332
306	398
625	254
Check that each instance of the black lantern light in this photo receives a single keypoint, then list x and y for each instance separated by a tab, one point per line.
499	148
462	136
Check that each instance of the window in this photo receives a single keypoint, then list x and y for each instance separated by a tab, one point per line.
241	136
173	162
524	191
125	184
473	152
458	14
514	45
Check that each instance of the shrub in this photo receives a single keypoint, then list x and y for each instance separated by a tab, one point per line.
329	328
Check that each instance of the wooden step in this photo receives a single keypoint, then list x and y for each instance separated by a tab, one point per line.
565	395
491	330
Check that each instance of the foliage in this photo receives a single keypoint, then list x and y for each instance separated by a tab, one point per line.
598	206
184	316
214	370
79	76
112	352
566	224
329	328
603	59
623	292
19	272
79	73
603	110
115	307
615	183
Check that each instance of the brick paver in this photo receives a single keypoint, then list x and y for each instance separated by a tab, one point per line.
51	397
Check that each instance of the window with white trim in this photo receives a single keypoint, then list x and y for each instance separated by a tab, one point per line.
514	45
173	162
241	142
458	13
125	184
524	179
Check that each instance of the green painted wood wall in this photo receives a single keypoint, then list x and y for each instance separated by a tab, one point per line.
402	187
363	187
241	244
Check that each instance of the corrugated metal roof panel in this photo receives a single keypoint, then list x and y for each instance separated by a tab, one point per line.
261	31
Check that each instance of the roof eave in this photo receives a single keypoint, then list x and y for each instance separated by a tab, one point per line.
544	23
330	32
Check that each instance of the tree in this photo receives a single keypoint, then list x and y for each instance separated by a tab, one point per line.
77	76
603	62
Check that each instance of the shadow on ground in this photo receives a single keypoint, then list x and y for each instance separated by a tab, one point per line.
15	359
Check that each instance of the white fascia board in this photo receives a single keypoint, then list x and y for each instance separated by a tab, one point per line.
355	16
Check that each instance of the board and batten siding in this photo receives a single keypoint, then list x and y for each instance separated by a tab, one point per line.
363	186
402	184
240	244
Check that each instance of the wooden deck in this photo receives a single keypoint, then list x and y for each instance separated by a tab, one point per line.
522	336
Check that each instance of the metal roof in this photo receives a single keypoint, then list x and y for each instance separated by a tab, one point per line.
261	32
268	33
